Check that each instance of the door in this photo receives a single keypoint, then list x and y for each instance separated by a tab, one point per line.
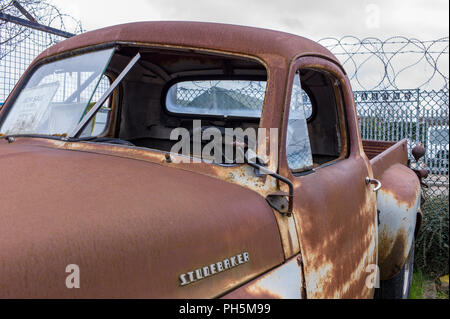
334	208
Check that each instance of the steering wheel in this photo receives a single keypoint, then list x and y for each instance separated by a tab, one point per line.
243	144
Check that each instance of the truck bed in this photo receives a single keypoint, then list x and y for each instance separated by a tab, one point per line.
373	148
383	155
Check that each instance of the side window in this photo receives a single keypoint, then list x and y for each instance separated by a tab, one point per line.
321	138
298	148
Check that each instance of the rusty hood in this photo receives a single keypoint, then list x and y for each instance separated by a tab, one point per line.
132	227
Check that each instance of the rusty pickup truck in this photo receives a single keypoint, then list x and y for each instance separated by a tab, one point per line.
114	183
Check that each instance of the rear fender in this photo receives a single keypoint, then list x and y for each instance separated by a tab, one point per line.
398	203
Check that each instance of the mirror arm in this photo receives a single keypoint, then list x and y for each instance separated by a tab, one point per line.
275	204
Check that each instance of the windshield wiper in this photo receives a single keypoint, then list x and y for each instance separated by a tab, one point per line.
97	139
88	117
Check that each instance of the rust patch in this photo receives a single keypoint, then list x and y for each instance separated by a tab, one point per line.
119	238
393	155
374	148
398	221
335	259
285	281
401	183
393	262
242	175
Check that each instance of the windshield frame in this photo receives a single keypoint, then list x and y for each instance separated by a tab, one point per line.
239	77
10	101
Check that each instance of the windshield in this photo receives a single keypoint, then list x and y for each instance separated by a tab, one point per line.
57	95
221	98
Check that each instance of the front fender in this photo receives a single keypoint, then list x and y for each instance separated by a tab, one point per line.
398	202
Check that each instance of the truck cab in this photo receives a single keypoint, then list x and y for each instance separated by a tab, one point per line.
198	160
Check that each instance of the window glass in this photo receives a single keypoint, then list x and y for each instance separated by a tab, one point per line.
306	104
58	95
298	149
223	98
99	122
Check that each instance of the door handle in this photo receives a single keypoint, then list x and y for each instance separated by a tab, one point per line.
375	182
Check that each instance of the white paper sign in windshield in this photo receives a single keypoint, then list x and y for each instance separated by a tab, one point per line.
30	107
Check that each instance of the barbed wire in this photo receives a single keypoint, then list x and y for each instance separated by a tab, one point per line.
45	13
394	63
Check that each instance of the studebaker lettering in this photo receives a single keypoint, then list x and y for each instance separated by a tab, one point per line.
213	269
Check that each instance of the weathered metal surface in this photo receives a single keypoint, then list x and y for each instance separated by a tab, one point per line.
283	282
240	174
257	42
121	239
122	221
398	202
335	211
337	230
396	154
374	148
418	152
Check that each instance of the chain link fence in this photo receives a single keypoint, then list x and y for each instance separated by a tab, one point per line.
401	91
20	45
16	57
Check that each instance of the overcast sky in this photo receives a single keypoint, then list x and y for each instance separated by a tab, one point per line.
422	19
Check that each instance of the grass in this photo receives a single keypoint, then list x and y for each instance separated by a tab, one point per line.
441	295
415	291
432	245
432	250
418	286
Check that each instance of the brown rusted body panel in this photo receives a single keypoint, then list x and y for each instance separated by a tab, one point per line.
274	49
397	153
399	204
132	226
256	42
134	221
337	229
284	282
374	148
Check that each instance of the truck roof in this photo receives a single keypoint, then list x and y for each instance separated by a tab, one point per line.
268	45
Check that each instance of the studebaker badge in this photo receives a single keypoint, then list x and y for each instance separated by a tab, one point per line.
213	269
